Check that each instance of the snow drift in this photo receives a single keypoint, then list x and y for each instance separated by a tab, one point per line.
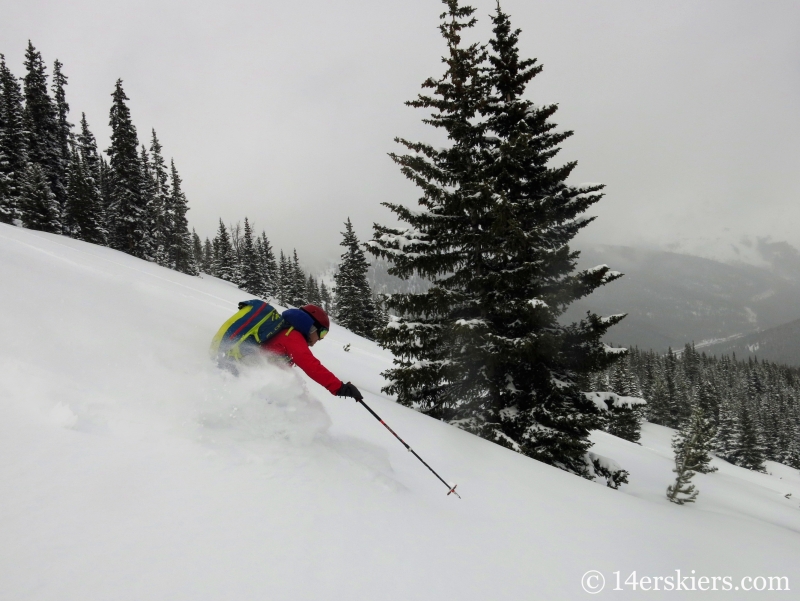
133	468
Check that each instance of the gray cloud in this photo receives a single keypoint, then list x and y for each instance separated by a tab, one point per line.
284	111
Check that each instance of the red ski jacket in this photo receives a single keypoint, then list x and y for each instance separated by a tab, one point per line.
292	344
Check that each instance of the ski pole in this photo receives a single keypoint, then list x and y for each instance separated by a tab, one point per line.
376	416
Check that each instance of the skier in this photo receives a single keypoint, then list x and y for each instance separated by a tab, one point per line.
307	326
300	329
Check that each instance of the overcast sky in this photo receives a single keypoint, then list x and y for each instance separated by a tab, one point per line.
285	111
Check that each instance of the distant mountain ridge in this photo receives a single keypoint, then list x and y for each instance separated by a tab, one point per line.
780	344
672	299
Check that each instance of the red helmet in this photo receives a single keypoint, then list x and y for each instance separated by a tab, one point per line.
318	315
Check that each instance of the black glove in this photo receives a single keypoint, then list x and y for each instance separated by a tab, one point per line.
349	390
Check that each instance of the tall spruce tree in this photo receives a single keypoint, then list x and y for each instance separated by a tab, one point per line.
326	300
251	276
297	286
749	450
269	267
162	208
41	126
224	258
197	249
483	348
312	292
37	202
153	210
694	442
63	135
82	219
128	209
13	153
285	279
180	244
355	309
207	266
93	224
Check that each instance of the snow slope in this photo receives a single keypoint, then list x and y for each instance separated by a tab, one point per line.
132	468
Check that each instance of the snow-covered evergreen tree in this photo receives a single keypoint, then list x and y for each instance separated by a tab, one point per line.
692	454
63	135
724	443
180	242
197	249
694	442
297	282
251	273
153	210
38	205
312	292
224	258
162	210
85	211
355	309
749	451
269	266
326	299
81	219
483	348
128	210
13	153
41	126
207	265
285	280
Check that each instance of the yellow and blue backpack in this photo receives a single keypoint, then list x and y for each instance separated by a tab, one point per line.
243	333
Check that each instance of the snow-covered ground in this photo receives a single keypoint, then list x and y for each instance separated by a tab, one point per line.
132	468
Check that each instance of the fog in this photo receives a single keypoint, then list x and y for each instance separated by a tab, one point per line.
285	111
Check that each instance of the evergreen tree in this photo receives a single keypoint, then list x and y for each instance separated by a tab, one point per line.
207	266
153	213
326	301
683	491
197	250
483	347
624	419
312	292
180	243
694	442
128	210
93	223
13	153
81	216
224	259
106	193
285	279
162	210
38	204
749	451
251	275
41	125
658	406
63	135
269	267
355	309
724	443
297	281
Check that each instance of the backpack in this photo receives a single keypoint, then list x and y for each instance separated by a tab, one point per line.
243	333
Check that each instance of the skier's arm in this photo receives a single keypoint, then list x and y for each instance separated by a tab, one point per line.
298	351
